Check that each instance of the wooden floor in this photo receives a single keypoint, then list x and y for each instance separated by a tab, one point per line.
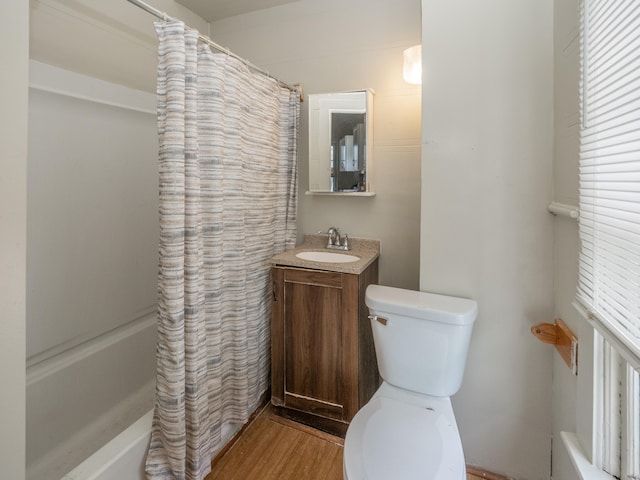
273	448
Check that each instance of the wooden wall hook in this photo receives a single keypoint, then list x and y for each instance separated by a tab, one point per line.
558	334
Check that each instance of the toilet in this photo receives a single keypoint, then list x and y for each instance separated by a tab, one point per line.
407	431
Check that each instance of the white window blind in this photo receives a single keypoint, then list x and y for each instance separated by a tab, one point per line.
609	270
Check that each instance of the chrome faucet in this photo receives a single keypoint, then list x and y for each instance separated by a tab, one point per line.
333	237
335	242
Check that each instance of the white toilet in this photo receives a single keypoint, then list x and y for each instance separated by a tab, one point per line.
407	431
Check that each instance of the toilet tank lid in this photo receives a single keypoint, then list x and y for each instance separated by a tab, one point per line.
428	306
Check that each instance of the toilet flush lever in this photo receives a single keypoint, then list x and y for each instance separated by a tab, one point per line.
382	320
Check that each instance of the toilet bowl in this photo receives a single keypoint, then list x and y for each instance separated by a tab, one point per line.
407	430
404	436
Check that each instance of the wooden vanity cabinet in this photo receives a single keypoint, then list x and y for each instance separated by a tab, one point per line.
323	359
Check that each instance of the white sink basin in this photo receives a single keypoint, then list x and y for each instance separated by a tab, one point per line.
327	257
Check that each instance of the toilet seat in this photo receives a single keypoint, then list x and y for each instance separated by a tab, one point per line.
391	439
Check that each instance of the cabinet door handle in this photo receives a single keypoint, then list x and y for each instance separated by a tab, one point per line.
381	320
275	291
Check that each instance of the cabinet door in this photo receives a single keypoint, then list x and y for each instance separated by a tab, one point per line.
318	329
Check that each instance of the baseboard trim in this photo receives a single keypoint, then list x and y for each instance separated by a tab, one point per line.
481	473
306	429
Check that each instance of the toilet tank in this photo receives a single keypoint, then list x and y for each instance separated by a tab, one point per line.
421	339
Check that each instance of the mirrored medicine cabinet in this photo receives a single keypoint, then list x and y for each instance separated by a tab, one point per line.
341	143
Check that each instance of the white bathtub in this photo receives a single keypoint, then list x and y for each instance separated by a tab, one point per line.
120	459
81	398
123	457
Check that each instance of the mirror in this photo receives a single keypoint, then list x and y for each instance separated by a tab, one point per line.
341	143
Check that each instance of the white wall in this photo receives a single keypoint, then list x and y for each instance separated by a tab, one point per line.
486	234
14	41
338	45
93	226
113	40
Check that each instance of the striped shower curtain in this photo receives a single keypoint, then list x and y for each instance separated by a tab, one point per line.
228	178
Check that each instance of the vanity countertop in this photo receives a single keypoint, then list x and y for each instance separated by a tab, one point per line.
366	249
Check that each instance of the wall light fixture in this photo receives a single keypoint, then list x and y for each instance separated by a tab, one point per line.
412	70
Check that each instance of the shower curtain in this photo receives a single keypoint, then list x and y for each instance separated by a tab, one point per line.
228	183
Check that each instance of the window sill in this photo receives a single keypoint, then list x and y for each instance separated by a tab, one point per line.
584	468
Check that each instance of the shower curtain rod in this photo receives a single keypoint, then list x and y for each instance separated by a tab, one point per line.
167	18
